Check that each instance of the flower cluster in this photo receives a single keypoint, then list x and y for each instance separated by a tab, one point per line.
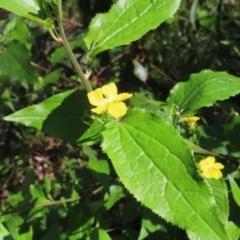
106	99
191	121
210	169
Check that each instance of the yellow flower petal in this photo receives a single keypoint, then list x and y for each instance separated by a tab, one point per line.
210	169
208	174
212	174
99	109
206	163
96	98
117	110
123	96
218	166
109	91
217	174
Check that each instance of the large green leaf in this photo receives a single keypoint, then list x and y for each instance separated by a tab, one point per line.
155	165
59	116
203	89
16	65
34	10
127	21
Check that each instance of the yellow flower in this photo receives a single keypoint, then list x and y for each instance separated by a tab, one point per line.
106	99
210	169
191	121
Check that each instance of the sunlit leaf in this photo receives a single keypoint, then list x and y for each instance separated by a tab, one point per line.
155	165
34	10
202	90
127	21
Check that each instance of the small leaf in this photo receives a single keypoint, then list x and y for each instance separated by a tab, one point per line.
19	31
127	21
92	134
202	90
100	170
114	195
235	190
32	9
52	76
59	116
155	164
231	133
4	234
153	226
60	53
98	234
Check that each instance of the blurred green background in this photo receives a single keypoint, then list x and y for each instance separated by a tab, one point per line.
51	189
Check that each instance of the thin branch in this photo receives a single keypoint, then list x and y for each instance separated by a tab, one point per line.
62	75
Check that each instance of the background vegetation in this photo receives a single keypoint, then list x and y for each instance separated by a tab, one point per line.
56	190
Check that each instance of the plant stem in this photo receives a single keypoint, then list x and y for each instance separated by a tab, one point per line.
56	202
82	76
199	150
53	35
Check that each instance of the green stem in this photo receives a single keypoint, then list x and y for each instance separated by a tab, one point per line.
82	76
197	149
53	35
41	205
56	202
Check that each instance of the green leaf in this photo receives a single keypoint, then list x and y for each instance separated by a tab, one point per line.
16	65
52	76
59	116
17	29
12	223
115	194
231	133
127	21
98	234
26	235
34	10
47	184
4	234
80	222
60	53
92	134
154	163
233	231
37	194
235	190
153	226
21	33
220	193
202	90
100	170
